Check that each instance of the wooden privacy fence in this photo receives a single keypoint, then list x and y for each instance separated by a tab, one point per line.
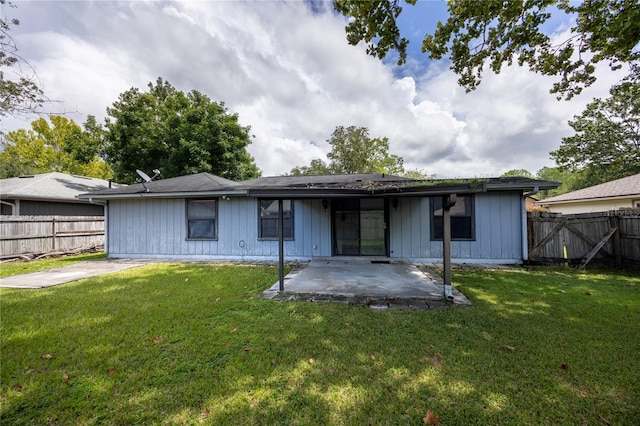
43	234
609	239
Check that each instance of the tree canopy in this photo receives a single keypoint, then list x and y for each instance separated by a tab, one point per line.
606	144
518	173
503	32
20	93
65	147
177	133
353	151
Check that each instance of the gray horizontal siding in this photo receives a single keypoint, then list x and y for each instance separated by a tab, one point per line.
156	228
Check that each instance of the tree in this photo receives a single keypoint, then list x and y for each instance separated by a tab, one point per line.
176	133
316	167
353	151
65	147
518	173
606	144
19	91
571	181
501	32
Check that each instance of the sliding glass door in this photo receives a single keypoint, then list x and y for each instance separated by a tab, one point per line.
359	227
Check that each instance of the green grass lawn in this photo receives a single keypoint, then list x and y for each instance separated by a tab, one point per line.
23	267
191	344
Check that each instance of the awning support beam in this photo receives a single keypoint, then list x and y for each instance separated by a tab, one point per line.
447	202
281	243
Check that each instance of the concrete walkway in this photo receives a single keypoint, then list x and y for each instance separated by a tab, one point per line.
395	284
65	274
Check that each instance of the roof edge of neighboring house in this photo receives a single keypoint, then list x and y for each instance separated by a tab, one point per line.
15	197
631	196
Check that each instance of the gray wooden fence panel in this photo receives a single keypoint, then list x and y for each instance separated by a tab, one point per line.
43	234
550	234
629	229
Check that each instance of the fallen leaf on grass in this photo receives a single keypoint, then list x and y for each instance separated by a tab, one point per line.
217	299
65	377
111	371
437	359
234	329
373	357
157	339
46	356
430	418
205	414
510	348
603	420
186	279
311	361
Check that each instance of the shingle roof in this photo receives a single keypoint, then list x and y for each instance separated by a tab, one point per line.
50	186
625	187
353	180
314	186
199	182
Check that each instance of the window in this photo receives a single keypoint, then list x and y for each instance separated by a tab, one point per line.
462	219
201	219
269	219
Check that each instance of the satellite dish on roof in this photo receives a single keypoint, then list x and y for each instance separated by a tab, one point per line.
145	177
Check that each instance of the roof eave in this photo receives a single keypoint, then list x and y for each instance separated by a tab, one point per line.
183	194
409	191
522	187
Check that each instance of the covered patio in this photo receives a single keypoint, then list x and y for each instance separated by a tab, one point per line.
375	282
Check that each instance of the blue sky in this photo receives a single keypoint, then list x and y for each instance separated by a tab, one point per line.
287	70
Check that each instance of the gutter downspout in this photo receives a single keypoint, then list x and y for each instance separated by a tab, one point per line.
14	207
106	222
523	208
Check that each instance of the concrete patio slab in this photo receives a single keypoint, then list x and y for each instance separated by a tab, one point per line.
65	274
376	284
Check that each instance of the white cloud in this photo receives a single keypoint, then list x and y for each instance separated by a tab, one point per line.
289	73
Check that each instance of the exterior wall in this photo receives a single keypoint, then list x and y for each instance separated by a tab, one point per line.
51	208
498	231
156	228
592	206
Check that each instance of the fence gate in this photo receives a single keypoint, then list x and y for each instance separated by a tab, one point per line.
610	239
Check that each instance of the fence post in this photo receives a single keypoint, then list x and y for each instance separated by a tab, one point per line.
614	222
53	233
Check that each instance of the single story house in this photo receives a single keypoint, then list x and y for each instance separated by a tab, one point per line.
617	194
50	194
206	217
